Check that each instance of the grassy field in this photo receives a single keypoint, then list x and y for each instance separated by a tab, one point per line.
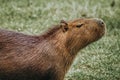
98	61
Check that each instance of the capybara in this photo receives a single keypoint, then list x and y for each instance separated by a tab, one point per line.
47	56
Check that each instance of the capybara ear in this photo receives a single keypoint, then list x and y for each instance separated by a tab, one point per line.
64	25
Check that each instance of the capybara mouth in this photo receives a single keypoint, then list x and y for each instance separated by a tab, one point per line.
100	22
101	26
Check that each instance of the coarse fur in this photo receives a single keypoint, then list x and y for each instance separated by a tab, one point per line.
47	56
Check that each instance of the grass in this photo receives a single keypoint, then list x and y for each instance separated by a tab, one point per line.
98	61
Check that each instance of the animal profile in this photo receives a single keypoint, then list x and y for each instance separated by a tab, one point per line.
47	56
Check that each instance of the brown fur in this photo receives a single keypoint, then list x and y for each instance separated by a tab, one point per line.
48	56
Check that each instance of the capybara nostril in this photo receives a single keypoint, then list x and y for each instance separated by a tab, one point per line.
100	22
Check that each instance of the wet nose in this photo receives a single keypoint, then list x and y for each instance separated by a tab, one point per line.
100	22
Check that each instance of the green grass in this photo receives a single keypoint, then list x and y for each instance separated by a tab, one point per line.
98	61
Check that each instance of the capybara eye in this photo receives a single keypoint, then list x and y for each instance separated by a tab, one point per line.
80	25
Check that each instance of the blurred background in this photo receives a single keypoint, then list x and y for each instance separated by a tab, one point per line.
98	61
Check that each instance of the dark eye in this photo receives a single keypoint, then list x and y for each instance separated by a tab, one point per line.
80	25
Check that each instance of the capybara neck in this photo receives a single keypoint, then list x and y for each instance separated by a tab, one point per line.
62	40
66	46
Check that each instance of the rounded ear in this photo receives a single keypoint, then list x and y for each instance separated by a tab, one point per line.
64	25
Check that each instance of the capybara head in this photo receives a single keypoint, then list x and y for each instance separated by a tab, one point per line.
83	31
